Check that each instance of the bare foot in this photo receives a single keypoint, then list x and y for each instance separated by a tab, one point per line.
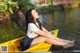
69	41
68	45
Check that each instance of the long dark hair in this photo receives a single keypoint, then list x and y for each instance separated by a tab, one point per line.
29	19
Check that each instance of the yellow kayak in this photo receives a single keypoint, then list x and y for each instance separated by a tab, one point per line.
11	46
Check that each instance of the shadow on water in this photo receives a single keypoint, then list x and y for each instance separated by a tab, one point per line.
68	23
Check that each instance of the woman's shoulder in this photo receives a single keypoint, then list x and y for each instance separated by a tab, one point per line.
31	24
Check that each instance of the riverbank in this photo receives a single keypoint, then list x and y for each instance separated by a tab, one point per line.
51	8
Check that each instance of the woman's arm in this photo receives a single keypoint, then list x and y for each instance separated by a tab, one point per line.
45	30
45	34
51	34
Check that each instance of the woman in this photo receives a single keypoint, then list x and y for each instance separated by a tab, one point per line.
36	33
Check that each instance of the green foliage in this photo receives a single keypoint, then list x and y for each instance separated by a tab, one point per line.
0	0
74	0
25	4
8	5
3	7
7	34
50	7
64	5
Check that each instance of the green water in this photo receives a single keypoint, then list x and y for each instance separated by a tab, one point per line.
67	21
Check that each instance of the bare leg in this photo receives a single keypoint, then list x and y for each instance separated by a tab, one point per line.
55	42
37	40
51	41
63	44
63	40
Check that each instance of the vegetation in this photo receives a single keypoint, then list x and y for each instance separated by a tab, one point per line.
49	8
8	28
74	0
6	9
7	34
25	4
8	5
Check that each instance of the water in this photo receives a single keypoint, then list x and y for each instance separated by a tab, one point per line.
67	21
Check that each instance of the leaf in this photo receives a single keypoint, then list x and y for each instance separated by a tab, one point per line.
10	10
6	7
17	7
2	7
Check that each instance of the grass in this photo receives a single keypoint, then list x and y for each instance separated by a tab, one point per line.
9	33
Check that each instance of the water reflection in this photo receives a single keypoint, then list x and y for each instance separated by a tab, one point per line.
67	21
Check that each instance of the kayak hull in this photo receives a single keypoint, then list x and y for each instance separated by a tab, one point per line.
41	47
